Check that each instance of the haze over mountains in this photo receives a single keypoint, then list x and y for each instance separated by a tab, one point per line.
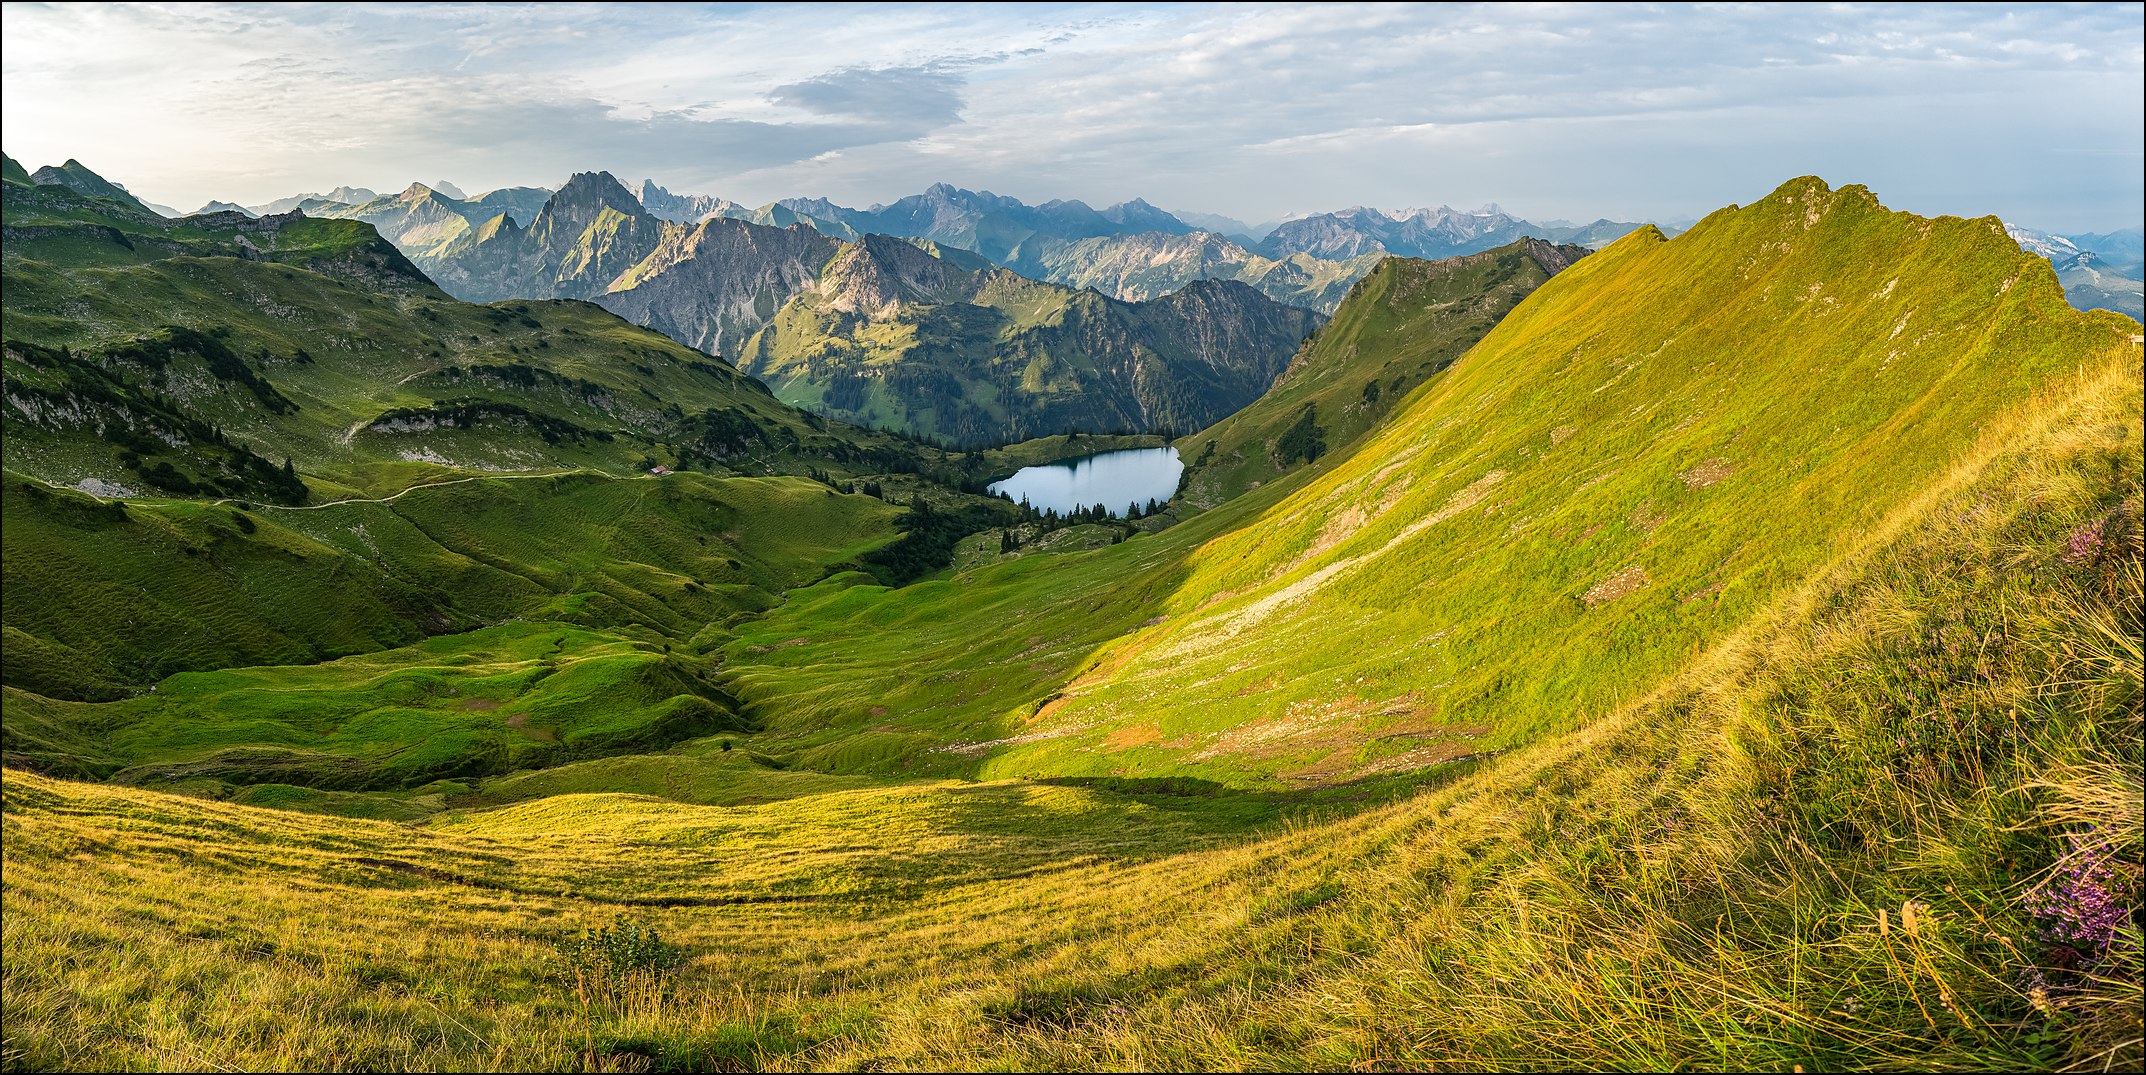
1135	251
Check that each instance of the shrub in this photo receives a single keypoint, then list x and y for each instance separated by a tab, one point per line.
612	963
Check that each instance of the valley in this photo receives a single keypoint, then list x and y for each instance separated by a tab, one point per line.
1757	605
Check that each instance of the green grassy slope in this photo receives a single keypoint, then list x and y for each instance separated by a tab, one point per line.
105	597
76	177
1816	843
1647	451
1410	320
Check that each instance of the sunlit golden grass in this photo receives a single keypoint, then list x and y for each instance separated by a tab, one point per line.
1807	847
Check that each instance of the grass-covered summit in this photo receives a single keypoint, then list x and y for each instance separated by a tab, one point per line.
1637	460
1417	316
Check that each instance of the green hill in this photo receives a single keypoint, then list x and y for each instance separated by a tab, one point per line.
1416	317
1747	625
1635	461
77	177
107	596
1709	873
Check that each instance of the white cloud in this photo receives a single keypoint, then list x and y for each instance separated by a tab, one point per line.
1575	111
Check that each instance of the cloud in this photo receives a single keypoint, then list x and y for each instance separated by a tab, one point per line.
922	97
1552	110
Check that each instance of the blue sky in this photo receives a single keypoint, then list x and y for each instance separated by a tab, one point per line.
1644	111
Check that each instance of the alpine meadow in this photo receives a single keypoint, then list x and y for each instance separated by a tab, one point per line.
605	626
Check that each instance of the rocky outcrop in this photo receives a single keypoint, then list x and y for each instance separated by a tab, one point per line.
715	284
1431	234
686	208
587	235
893	337
1140	267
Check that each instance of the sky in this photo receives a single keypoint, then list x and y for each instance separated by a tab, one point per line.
2031	112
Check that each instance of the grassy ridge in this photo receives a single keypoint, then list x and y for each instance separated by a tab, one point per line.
1807	847
1643	454
1406	321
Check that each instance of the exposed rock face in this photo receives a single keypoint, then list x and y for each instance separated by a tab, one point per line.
1423	233
715	284
894	337
343	195
879	274
1143	266
916	333
588	234
520	203
986	223
424	221
1418	233
685	208
418	219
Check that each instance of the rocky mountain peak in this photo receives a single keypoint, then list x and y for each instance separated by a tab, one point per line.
878	274
586	193
577	204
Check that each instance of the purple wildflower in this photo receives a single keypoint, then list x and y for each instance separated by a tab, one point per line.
2082	904
2086	542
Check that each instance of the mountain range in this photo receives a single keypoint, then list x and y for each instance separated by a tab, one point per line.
1714	648
1131	250
2100	271
801	307
891	336
1134	251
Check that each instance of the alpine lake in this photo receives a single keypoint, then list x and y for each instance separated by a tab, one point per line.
1116	480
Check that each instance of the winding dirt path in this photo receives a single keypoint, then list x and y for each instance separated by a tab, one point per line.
429	485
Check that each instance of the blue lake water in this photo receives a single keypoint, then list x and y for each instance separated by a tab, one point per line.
1112	479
